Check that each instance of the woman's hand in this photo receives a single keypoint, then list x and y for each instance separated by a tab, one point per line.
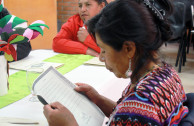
105	104
89	91
60	116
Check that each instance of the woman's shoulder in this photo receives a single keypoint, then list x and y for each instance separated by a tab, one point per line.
162	84
164	89
164	77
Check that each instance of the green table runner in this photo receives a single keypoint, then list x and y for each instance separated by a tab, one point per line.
17	82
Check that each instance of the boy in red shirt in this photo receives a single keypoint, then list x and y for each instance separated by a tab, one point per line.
73	37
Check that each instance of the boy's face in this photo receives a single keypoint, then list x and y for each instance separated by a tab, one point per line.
88	9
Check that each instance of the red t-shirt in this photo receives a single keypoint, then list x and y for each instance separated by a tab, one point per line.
66	41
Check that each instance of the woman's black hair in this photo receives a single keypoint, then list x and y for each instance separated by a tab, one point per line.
133	20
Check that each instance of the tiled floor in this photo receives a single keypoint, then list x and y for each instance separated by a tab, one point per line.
187	73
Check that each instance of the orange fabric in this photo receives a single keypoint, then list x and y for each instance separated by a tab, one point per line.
66	41
177	117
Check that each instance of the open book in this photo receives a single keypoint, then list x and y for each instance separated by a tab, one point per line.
53	86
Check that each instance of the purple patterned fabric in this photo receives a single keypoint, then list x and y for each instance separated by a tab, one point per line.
156	100
7	28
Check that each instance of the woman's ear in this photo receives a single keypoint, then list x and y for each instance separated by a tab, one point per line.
129	48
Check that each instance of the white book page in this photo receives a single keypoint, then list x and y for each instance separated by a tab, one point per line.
95	61
26	64
53	86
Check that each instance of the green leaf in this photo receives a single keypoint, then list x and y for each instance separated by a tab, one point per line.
22	41
17	21
1	7
5	20
38	25
17	39
4	36
37	29
8	57
19	31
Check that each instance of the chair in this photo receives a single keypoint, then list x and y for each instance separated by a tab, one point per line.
189	119
191	31
178	27
189	25
188	20
192	15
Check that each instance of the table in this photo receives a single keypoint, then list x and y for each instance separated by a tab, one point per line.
99	77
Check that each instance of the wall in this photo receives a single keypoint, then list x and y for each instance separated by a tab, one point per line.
67	8
32	10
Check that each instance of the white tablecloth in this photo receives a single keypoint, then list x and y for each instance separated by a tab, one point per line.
99	77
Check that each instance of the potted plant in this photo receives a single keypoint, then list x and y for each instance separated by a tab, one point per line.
12	33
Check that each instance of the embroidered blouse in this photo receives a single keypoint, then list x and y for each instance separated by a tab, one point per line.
156	100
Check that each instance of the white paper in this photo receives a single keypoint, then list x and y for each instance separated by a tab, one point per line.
26	64
53	86
95	61
9	121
